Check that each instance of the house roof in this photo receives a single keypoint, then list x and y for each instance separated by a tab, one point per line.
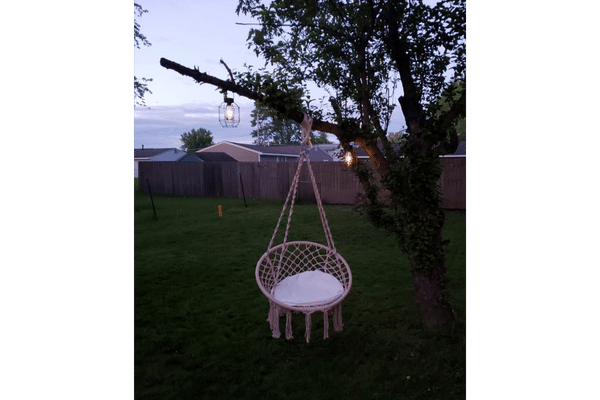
461	150
215	157
147	153
275	149
164	154
281	150
169	155
189	158
317	153
291	149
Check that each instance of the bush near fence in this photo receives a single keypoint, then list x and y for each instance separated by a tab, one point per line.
272	180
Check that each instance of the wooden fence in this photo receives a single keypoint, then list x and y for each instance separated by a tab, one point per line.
273	180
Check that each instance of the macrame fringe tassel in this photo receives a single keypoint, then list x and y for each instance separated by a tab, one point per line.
308	327
273	320
337	318
288	325
275	312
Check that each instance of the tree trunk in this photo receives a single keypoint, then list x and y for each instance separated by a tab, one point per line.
432	298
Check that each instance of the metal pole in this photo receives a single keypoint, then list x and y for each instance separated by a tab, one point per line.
243	194
151	199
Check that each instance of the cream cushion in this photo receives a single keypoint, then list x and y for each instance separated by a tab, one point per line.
308	288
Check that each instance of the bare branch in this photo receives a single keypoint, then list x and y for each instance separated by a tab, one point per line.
228	70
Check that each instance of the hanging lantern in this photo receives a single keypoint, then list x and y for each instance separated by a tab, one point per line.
229	113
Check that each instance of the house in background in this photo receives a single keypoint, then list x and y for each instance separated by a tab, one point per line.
461	150
318	153
214	156
257	153
168	154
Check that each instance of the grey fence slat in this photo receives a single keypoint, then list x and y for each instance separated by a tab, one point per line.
273	179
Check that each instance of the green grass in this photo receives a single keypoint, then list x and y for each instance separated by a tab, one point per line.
200	319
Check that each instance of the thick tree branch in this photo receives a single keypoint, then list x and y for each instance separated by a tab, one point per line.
410	101
372	149
444	128
375	154
449	146
201	77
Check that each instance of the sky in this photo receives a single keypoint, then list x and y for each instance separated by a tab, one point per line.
194	33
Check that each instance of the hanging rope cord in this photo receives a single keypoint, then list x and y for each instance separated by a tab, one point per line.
306	126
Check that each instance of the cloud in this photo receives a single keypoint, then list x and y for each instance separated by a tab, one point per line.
162	126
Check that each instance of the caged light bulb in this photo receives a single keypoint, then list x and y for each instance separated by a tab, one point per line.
229	114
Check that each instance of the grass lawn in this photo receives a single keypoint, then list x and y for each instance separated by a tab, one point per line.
200	319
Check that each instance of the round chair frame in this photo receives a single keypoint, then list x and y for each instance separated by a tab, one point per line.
291	258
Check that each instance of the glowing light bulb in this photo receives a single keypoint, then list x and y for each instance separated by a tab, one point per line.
348	159
229	113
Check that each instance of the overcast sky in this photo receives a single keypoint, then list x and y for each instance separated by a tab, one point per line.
194	33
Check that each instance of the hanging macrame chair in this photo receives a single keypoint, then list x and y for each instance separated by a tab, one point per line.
300	276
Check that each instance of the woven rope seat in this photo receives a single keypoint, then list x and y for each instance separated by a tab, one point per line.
303	276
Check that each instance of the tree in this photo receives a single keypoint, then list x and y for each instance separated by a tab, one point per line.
275	129
140	86
321	138
396	137
196	140
360	51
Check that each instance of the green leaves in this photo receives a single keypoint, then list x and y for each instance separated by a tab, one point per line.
277	130
196	139
273	129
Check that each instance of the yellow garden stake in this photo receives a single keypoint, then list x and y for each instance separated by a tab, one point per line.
220	212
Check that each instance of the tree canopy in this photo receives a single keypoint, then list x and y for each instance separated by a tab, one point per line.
362	52
196	139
